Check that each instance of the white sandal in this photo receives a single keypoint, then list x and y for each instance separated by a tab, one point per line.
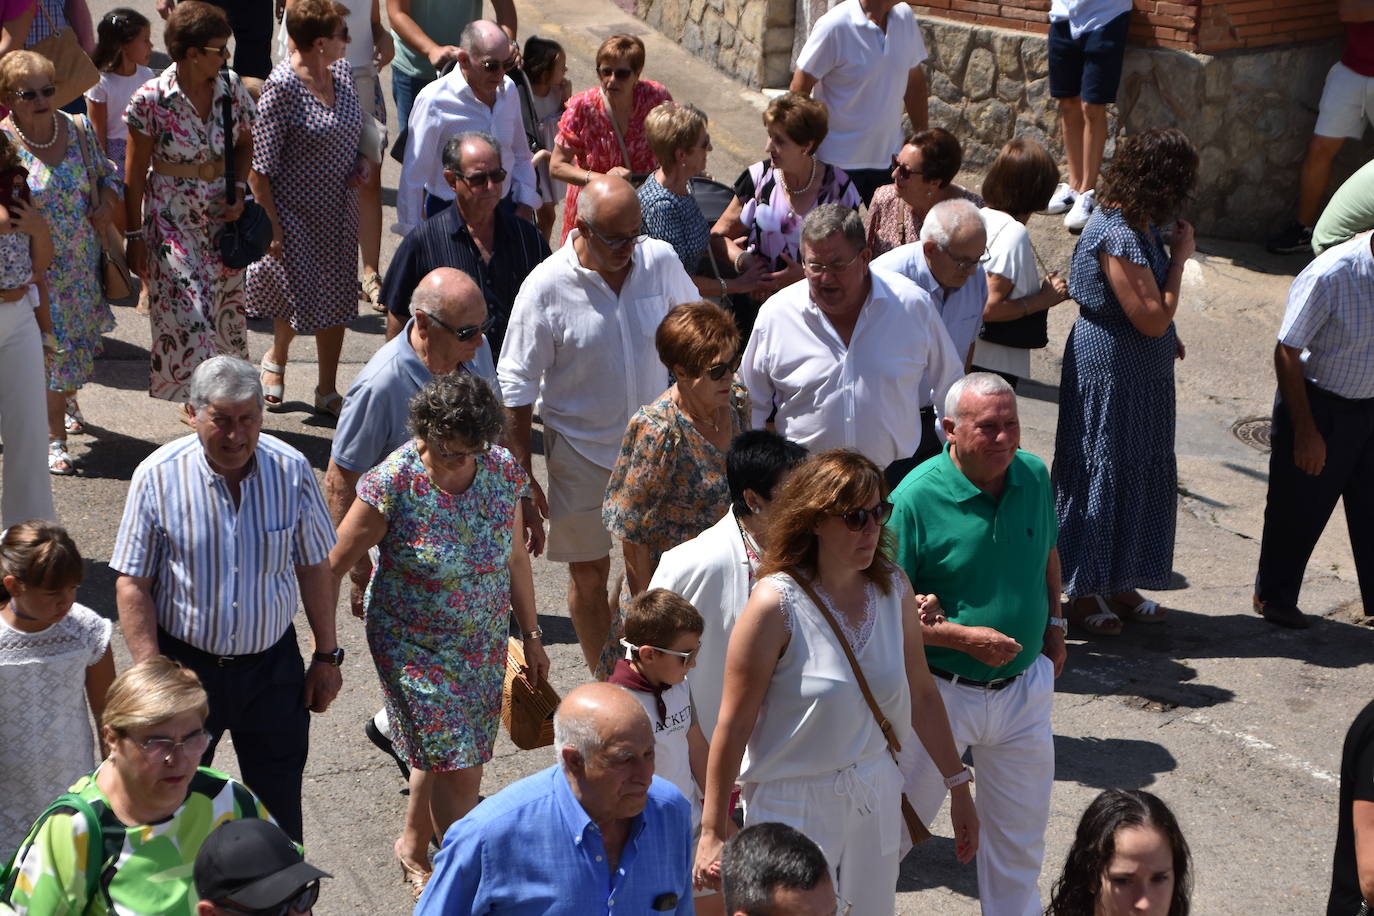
59	456
1102	623
1147	611
269	392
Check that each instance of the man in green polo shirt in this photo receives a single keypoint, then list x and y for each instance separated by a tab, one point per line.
975	527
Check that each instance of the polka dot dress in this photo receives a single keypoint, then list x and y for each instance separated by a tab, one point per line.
1115	475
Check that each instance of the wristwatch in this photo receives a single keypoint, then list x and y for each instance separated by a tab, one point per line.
1060	622
958	779
334	658
536	633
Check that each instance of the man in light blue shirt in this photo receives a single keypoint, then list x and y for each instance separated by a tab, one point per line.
595	833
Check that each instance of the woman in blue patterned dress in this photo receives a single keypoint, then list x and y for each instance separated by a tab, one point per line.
442	509
1115	475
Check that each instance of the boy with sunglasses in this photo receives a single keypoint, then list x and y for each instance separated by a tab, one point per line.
250	867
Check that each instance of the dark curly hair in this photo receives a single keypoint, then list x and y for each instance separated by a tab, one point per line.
1094	845
458	407
1151	177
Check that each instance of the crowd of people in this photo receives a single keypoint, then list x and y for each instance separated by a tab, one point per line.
796	414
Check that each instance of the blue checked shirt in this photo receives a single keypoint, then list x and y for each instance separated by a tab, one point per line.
1330	317
224	577
531	849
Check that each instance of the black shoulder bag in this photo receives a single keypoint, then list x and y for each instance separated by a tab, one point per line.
245	240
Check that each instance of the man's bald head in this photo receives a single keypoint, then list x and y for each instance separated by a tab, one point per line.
608	199
483	38
592	712
605	745
448	294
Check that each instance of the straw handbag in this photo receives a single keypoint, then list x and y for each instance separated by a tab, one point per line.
526	710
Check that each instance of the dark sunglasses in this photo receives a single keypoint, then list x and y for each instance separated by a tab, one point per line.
857	520
620	73
29	95
481	179
491	66
717	372
904	172
463	334
299	902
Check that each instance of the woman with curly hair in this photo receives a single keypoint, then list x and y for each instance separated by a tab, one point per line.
1128	858
1114	467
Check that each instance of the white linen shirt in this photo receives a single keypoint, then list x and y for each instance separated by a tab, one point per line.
861	75
961	310
864	396
444	109
1086	15
1330	317
588	352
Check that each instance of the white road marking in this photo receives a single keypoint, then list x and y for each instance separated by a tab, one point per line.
1264	748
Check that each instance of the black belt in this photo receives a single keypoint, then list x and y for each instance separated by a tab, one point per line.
994	684
193	654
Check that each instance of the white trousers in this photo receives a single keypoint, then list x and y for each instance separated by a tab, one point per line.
27	490
1013	759
854	816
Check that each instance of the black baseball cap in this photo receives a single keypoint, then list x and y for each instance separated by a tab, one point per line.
253	863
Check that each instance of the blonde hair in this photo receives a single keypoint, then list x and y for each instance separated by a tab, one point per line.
671	127
154	690
16	65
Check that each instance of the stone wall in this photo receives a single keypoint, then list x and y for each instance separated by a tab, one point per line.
750	40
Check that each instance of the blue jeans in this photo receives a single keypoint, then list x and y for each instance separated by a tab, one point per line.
404	89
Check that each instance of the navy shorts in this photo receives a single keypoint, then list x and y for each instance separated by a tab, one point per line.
1089	65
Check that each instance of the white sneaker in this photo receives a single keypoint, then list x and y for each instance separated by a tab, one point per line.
1061	200
1082	211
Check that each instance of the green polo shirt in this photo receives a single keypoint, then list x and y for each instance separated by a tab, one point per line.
443	21
984	558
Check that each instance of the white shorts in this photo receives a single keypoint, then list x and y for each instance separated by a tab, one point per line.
1347	103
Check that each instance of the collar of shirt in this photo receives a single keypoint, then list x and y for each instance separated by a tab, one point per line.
824	326
456	84
575	817
962	489
575	264
457	227
171	88
202	464
409	360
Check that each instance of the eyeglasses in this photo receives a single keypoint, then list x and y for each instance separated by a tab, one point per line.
463	334
482	179
300	902
459	455
857	520
491	66
687	657
903	172
222	50
344	37
620	73
813	269
613	244
968	266
29	95
717	372
160	748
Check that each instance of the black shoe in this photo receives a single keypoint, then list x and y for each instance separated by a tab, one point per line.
374	734
1291	239
1281	614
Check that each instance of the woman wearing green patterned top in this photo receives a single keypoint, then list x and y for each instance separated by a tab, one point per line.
148	804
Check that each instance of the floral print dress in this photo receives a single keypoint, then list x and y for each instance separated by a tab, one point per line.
196	302
76	299
438	605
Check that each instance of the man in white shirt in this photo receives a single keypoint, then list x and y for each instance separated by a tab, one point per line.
581	339
476	95
948	264
842	354
863	60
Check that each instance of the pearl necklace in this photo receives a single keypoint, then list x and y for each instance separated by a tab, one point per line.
811	179
33	144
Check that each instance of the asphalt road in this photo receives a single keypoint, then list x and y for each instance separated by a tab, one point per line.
1236	724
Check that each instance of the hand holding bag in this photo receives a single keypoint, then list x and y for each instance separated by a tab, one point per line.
115	277
245	240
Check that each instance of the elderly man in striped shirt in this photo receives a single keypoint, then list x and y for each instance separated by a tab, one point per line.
222	532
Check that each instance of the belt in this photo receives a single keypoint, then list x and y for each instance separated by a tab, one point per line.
191	653
205	171
994	684
13	295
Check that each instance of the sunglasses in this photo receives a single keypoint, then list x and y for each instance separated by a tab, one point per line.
613	244
491	66
29	95
857	520
620	73
717	372
463	334
344	37
158	749
687	657
482	179
222	50
300	902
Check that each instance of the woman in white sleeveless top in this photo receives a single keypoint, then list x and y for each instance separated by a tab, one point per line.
794	727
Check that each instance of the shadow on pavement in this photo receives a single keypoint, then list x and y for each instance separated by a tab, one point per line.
1105	763
932	865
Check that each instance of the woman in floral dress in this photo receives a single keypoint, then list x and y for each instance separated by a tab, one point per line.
602	128
442	509
668	485
50	148
176	126
306	167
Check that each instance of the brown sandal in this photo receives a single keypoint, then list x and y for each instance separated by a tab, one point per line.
415	879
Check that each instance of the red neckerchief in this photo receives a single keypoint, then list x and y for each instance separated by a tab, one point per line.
626	676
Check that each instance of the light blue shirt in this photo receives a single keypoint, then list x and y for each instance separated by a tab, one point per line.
1330	317
532	849
224	577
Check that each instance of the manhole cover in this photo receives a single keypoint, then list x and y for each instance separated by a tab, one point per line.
1254	432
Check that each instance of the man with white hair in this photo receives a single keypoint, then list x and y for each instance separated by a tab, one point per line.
581	339
948	264
839	354
476	95
222	532
597	832
975	526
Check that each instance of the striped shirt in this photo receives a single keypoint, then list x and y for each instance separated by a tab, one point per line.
224	577
1330	317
